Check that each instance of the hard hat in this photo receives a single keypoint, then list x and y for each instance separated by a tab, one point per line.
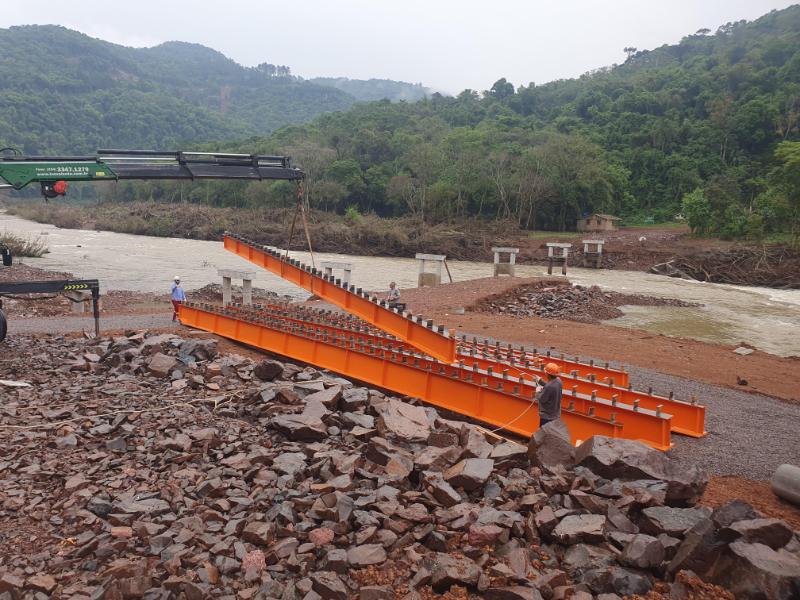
177	278
551	369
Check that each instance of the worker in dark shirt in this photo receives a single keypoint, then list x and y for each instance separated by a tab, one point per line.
549	396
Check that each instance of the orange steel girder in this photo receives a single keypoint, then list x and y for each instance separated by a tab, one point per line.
411	329
484	403
484	396
687	419
565	364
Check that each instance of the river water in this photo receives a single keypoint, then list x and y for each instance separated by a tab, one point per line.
767	319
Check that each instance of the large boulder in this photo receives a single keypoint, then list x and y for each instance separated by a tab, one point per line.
441	490
551	445
268	370
469	474
785	483
327	397
581	558
643	552
367	554
699	550
328	585
629	583
770	532
672	521
729	513
574	529
514	592
614	458
300	428
161	364
407	422
756	571
451	570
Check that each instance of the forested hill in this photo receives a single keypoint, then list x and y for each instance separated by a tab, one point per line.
376	89
707	127
63	91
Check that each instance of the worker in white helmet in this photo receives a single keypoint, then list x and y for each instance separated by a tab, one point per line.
178	296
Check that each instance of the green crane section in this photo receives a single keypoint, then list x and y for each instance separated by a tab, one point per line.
54	172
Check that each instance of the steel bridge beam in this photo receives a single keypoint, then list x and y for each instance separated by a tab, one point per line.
486	396
413	330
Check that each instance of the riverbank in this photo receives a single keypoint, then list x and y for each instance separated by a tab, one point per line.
631	248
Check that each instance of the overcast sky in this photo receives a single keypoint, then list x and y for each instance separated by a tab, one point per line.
448	45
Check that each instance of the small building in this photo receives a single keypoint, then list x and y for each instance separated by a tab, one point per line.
598	222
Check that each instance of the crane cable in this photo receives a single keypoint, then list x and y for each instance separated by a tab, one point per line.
300	207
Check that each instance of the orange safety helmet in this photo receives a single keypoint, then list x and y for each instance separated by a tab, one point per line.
551	369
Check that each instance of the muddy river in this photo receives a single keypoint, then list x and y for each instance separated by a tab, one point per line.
765	318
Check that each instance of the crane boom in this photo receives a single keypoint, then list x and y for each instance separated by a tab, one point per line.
113	165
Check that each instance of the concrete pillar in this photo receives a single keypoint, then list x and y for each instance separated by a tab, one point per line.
504	268
247	292
227	289
79	299
347	269
593	253
553	257
227	292
429	269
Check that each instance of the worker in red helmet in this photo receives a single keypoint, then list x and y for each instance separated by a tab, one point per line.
549	395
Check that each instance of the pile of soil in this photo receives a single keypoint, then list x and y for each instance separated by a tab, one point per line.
213	293
557	299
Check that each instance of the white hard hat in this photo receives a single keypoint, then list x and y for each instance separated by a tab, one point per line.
177	278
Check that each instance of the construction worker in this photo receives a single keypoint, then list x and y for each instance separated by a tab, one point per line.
178	296
394	294
549	395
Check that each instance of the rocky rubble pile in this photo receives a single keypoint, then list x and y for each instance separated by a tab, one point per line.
149	466
552	299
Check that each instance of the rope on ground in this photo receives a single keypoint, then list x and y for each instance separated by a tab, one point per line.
514	420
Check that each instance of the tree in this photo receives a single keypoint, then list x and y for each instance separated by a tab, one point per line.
630	52
314	159
502	89
786	177
697	211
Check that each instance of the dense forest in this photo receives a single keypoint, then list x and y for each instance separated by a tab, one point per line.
706	130
376	89
64	92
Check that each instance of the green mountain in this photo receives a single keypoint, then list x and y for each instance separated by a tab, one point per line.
367	90
63	91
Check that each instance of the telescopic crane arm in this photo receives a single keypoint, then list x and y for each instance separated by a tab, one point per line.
54	173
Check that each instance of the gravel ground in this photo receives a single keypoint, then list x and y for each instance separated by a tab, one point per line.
749	435
70	324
